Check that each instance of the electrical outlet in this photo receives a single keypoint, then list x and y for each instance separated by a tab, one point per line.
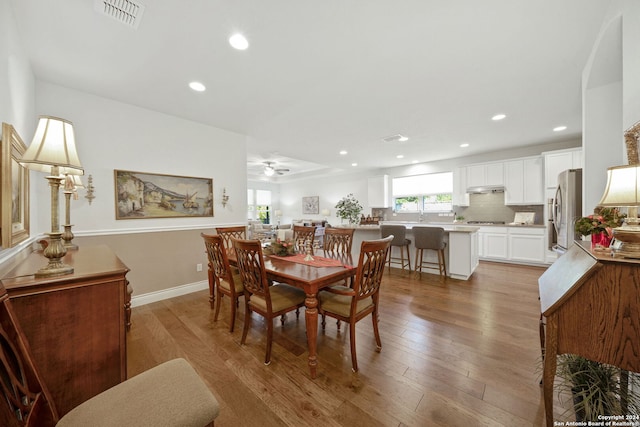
198	267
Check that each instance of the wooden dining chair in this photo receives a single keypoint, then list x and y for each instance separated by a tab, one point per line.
222	278
355	303
303	233
228	233
171	393
259	297
338	241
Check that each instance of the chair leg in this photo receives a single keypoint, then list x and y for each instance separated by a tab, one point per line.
232	321
444	263
408	257
267	357
247	320
217	304
324	321
418	261
352	339
376	331
338	324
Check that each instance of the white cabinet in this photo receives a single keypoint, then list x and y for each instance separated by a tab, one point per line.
512	244
460	197
462	254
527	244
378	191
523	181
485	174
558	161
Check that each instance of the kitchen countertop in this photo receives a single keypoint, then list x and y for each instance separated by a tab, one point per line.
448	226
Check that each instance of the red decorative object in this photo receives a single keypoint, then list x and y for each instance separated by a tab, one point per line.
602	239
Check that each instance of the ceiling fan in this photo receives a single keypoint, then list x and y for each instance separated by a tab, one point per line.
269	170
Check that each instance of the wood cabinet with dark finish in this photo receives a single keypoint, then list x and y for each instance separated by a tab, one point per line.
76	323
591	304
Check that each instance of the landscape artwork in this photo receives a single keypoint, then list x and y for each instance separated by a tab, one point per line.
148	195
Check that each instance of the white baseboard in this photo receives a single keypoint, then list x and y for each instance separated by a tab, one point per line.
168	293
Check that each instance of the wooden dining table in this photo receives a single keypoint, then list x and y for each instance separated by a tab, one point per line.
311	276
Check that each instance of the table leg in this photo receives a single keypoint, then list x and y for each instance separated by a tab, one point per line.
311	319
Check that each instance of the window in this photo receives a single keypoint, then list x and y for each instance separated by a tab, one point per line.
259	205
423	193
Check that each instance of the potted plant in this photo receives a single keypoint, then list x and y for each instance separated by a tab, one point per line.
600	225
349	208
597	389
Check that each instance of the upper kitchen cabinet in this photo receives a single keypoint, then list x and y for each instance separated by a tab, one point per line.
558	161
523	181
378	191
485	174
460	197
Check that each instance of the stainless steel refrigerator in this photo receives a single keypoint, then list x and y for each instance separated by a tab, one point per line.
565	208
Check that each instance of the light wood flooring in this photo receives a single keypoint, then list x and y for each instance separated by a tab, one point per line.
454	353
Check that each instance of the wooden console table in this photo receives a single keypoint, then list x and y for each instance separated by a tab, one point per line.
591	303
76	323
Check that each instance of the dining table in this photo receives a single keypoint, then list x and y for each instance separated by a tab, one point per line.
310	275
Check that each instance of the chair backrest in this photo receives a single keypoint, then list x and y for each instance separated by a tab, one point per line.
218	259
301	232
250	263
373	255
26	401
398	231
338	241
429	237
228	233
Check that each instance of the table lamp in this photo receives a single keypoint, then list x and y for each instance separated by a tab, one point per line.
71	185
53	151
623	190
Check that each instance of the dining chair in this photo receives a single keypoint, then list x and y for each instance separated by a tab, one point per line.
353	304
302	233
400	241
222	278
171	393
228	233
430	238
267	301
338	241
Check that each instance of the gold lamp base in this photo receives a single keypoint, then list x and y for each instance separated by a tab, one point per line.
54	251
629	238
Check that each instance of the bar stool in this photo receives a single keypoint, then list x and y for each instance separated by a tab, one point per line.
399	240
430	238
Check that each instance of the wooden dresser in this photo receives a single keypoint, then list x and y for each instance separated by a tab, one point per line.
76	323
591	304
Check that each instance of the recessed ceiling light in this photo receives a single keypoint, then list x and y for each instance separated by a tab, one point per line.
399	156
238	41
343	152
559	128
465	145
354	164
498	117
197	86
414	161
403	138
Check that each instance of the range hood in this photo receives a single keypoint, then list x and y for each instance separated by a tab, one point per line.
485	189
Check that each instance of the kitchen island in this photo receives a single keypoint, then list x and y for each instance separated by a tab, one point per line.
461	253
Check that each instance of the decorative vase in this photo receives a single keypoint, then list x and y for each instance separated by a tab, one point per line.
602	239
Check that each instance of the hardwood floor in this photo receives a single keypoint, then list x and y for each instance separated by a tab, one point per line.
454	353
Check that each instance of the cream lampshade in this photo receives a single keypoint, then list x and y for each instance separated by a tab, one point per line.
623	190
53	151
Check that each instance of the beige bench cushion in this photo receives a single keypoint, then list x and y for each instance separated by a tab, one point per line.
170	394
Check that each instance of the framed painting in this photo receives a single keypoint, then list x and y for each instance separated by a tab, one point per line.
142	195
310	205
14	189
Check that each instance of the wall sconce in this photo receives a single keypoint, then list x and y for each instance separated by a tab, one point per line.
53	151
225	198
90	188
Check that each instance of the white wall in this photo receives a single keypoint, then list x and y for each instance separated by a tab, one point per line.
111	135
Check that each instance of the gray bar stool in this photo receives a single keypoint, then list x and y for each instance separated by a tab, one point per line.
399	240
430	238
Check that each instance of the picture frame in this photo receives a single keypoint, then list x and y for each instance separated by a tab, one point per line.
311	205
14	189
142	195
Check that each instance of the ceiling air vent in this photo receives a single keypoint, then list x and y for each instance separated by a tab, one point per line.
125	11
